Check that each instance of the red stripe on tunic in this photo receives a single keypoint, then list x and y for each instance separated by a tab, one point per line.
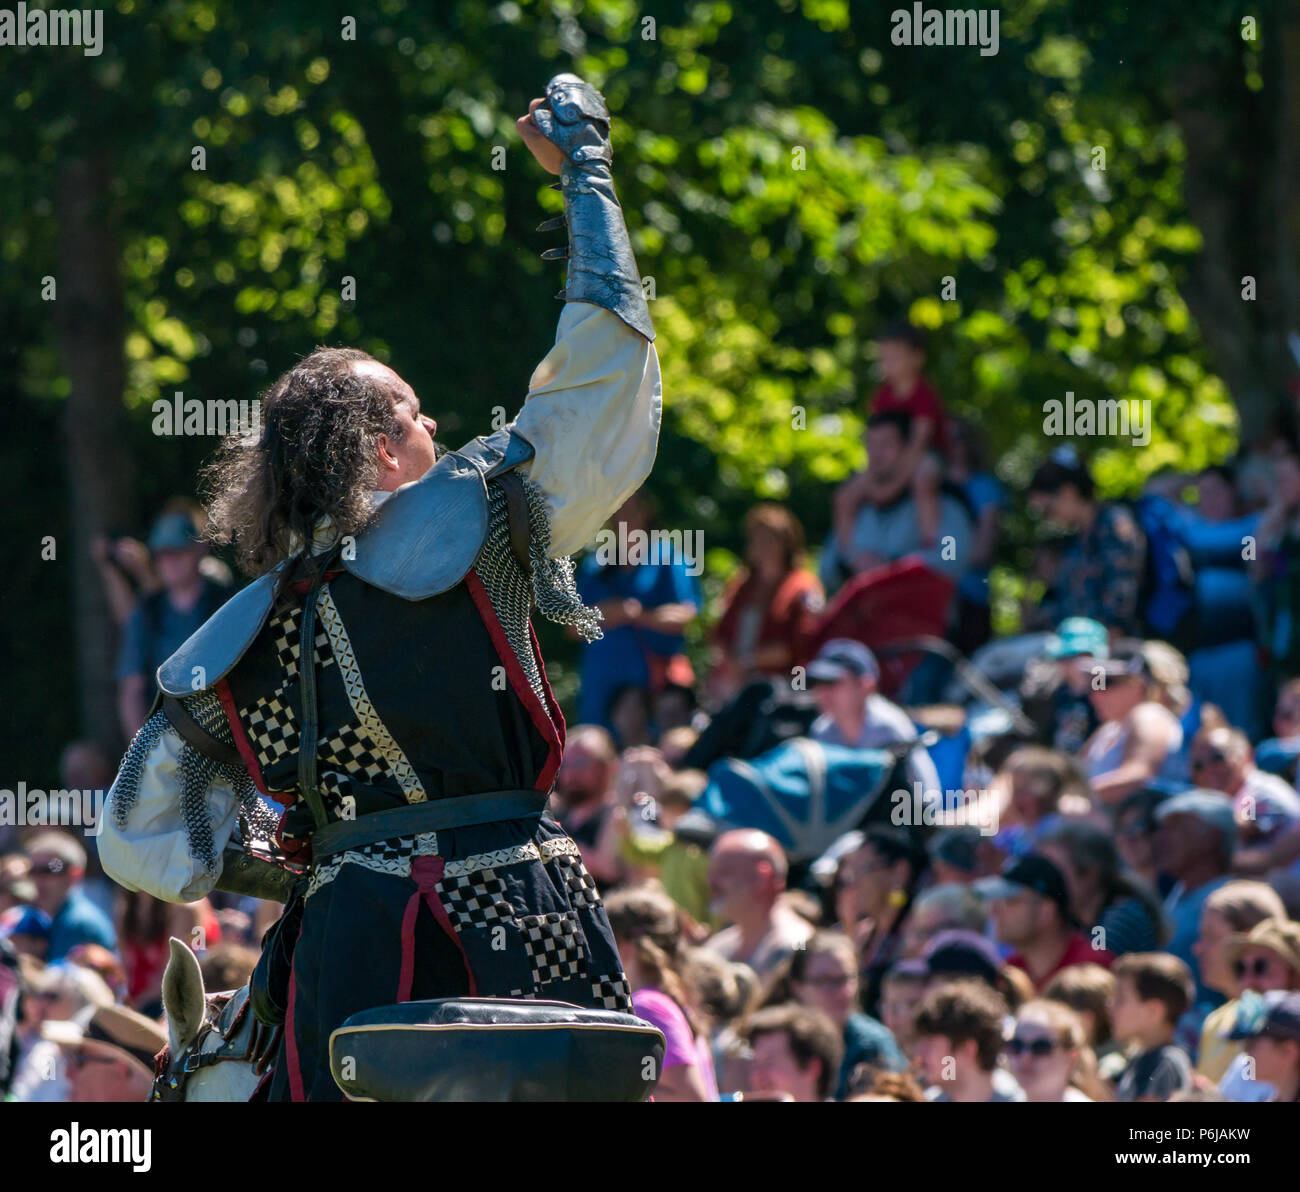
539	715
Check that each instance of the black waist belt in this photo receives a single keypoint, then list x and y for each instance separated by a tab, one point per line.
459	811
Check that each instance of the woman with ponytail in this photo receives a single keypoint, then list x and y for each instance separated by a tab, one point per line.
647	929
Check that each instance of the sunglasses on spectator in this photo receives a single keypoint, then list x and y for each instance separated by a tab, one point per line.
1038	1048
1259	967
1212	759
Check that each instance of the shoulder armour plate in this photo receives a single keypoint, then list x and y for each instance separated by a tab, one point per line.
211	650
426	537
429	532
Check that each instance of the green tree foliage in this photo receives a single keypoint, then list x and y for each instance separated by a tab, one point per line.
791	177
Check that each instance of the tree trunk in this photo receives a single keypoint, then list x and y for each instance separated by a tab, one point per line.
90	321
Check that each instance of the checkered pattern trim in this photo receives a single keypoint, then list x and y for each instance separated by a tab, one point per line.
272	728
384	856
613	993
468	871
554	945
497	858
369	740
476	900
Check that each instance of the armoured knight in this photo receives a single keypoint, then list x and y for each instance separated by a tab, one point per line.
386	688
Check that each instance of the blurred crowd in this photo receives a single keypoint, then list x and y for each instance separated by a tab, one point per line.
1121	925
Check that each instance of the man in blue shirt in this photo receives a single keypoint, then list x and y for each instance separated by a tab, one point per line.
58	865
646	608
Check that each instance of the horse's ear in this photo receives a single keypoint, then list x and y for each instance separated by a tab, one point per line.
183	997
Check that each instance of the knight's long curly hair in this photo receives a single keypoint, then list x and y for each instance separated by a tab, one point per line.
315	456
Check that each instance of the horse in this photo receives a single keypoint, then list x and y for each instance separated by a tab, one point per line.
213	1040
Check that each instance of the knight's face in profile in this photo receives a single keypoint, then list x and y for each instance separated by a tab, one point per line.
407	457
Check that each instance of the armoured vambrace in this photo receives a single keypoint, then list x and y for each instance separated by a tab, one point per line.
602	269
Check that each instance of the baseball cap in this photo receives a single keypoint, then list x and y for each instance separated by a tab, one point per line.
1125	658
841	658
1210	807
1079	635
958	953
1032	872
1275	1013
173	531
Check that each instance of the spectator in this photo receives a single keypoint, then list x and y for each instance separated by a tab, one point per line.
1119	911
1100	569
1267	957
1089	990
1274	1044
1048	1054
877	883
959	1038
162	620
770	608
101	961
824	976
900	355
955	855
146	927
968	469
1138	734
886	1086
57	993
902	990
1265	806
58	866
1054	690
1278	754
648	931
797	1052
1135	834
227	966
1231	911
969	954
886	531
111	1058
1031	911
646	608
943	907
1152	992
747	877
1277	571
1193	845
584	793
681	865
1036	780
844	678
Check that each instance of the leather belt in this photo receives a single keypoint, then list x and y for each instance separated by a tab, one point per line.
458	811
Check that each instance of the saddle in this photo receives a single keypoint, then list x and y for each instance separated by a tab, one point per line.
495	1049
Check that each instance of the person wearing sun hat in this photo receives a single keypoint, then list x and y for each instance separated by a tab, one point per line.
111	1056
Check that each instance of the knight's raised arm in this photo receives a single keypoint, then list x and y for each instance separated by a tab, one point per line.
594	403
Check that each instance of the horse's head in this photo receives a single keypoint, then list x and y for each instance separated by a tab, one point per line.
210	1039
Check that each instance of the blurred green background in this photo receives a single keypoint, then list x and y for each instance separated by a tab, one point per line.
1075	213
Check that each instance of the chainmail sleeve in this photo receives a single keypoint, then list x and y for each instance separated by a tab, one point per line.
550	589
172	808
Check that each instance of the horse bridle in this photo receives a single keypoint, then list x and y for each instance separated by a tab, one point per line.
224	1015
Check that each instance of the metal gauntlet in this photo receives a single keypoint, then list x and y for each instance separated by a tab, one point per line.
602	270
